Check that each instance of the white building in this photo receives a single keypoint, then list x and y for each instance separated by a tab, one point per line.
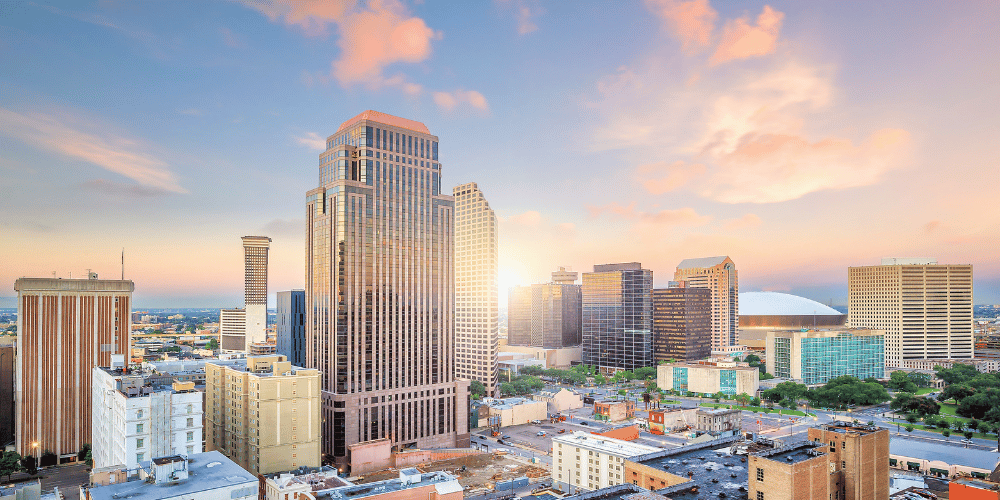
560	399
202	476
476	265
134	421
584	462
233	330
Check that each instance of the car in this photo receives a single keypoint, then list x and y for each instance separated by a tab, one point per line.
536	422
583	423
501	450
562	431
540	433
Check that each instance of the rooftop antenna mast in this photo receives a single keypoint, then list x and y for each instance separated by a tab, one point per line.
123	263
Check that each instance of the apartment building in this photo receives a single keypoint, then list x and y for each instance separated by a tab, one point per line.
135	419
584	462
815	357
717	274
924	308
264	413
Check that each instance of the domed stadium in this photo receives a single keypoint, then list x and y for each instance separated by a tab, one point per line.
763	311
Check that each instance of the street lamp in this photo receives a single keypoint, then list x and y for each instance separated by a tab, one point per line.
34	452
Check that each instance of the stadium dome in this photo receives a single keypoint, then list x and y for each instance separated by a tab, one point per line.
781	310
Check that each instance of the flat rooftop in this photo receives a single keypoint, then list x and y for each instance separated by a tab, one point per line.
845	427
605	444
206	472
717	467
937	452
794	453
444	483
618	492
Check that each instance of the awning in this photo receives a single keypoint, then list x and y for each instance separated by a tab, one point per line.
979	475
941	472
892	462
913	465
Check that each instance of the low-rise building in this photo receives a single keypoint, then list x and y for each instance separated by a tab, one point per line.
552	358
202	476
514	411
301	482
559	399
614	411
718	420
582	461
707	468
263	413
800	471
973	489
940	460
709	377
135	419
983	364
672	420
814	357
411	485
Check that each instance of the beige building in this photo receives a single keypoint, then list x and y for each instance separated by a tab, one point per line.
380	290
709	377
232	330
552	358
264	414
65	327
718	420
515	411
586	462
925	308
559	400
718	274
984	365
410	485
476	265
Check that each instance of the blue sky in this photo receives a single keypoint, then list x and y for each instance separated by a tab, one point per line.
798	138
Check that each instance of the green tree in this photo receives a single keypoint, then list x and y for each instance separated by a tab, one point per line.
743	399
957	374
10	462
785	390
752	359
921	379
600	379
979	404
972	424
645	372
985	428
944	424
847	390
899	381
212	345
755	401
909	428
507	389
958	392
48	459
478	389
968	434
532	370
911	419
946	433
84	450
29	465
766	376
788	403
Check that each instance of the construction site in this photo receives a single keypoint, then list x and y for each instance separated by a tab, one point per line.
477	473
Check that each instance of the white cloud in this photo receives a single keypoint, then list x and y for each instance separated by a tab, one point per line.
312	140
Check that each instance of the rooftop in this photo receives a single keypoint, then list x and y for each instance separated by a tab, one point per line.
605	444
318	479
842	426
714	467
394	121
781	304
793	453
702	263
951	455
618	492
409	478
206	471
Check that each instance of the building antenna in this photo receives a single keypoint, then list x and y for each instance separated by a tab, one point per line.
123	263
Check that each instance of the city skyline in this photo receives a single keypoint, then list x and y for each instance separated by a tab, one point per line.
798	139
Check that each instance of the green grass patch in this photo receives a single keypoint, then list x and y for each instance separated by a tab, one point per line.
757	409
925	390
949	409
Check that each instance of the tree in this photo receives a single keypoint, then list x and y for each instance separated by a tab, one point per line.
899	381
847	390
48	459
972	424
752	359
532	370
946	433
909	428
958	392
29	465
985	428
600	380
766	376
785	390
478	389
968	434
84	450
908	403
911	419
921	379
10	462
944	424
212	345
507	389
957	374
788	403
979	404
645	372
755	401
743	399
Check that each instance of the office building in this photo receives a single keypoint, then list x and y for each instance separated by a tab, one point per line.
290	326
717	274
814	357
583	462
709	377
263	413
682	323
380	293
202	476
618	317
7	411
232	330
924	308
65	328
546	315
476	316
135	420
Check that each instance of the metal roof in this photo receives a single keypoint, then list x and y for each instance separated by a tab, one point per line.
781	304
378	116
951	455
702	263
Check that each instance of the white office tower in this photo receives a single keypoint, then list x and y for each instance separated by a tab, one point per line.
136	419
476	316
255	284
925	308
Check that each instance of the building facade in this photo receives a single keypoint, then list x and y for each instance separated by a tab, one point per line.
264	413
380	289
682	324
546	315
65	328
584	462
925	308
135	420
290	326
860	456
717	274
7	406
709	377
618	317
476	266
255	250
233	330
814	357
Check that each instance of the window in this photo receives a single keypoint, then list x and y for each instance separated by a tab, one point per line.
139	457
760	495
190	422
760	474
843	465
138	428
190	408
190	449
190	436
140	442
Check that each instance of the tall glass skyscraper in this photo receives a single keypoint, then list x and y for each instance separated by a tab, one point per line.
618	317
380	290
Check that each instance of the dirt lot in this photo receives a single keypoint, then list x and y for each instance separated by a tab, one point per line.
482	471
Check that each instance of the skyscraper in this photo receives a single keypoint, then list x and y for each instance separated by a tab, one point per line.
380	290
65	328
925	308
717	274
290	326
546	315
476	316
682	323
618	317
255	250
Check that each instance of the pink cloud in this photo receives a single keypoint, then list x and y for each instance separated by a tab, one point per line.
690	21
312	140
662	177
747	221
450	100
668	217
741	40
372	36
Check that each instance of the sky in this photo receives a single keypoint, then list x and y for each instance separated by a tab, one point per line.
799	138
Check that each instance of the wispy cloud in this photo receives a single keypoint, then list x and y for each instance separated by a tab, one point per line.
526	12
106	187
691	21
450	100
231	39
747	221
668	217
741	40
74	137
285	227
312	140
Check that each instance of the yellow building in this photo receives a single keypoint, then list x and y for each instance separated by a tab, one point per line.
263	413
709	377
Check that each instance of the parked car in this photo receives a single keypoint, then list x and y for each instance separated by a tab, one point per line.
540	433
561	431
583	423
